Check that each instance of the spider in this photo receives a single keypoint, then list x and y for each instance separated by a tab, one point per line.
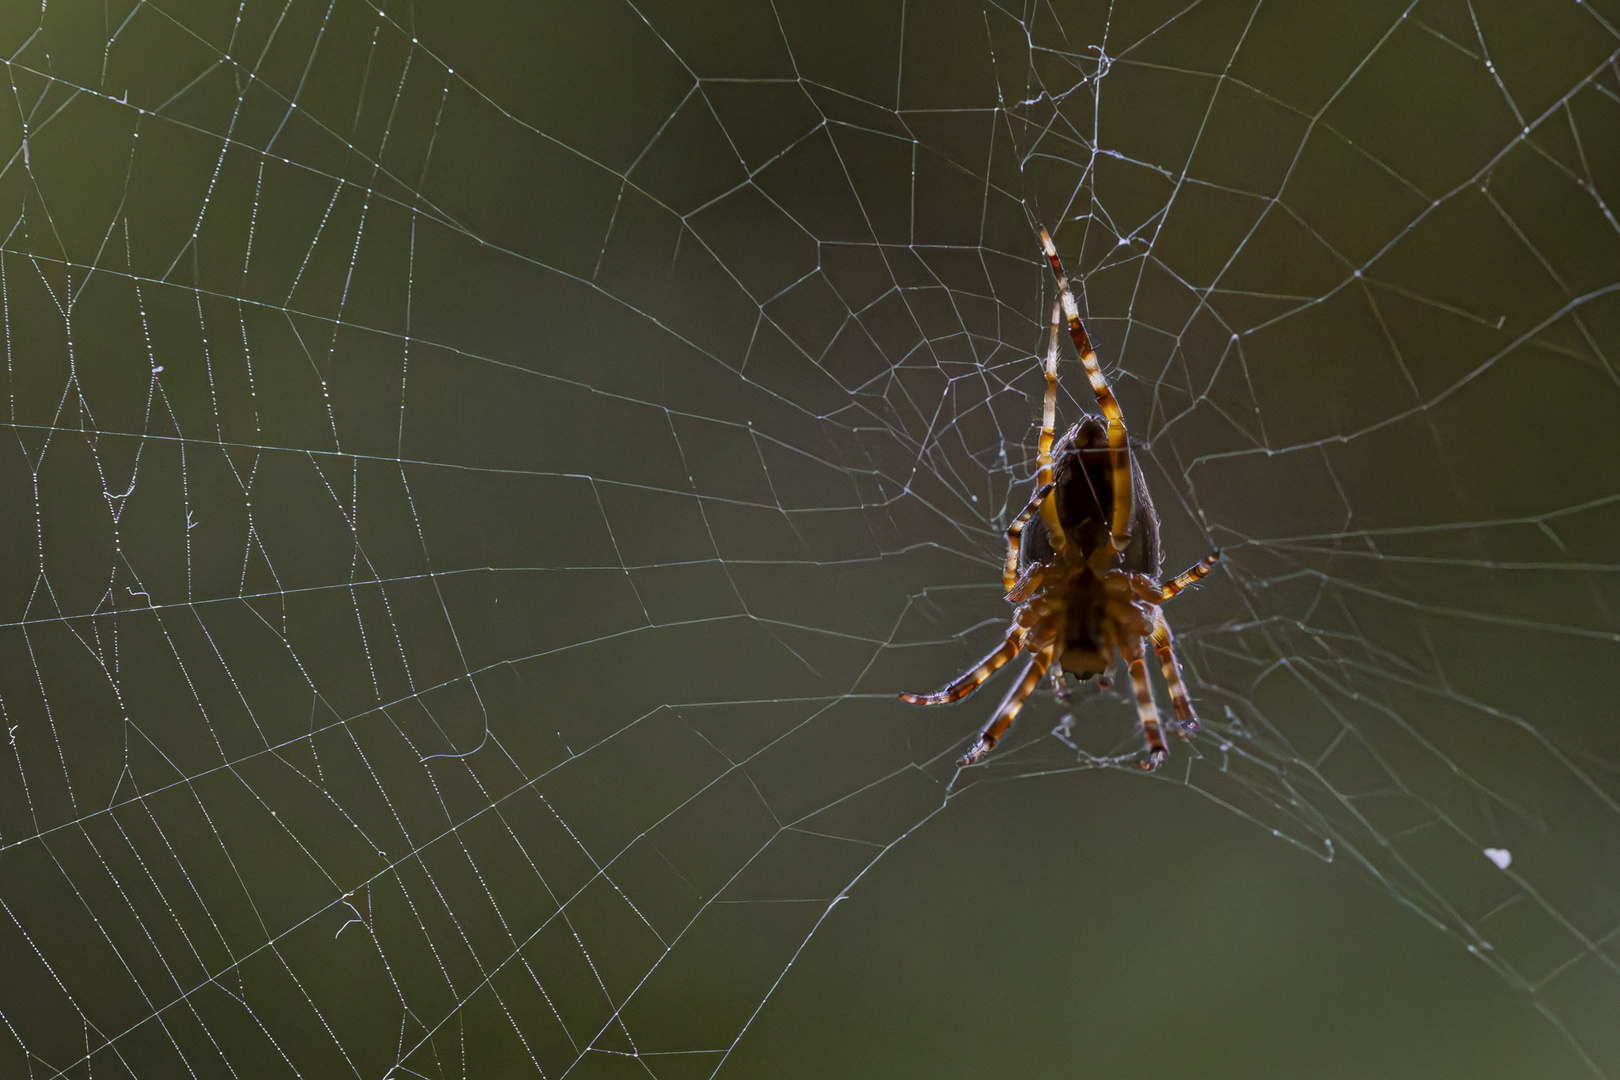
1082	578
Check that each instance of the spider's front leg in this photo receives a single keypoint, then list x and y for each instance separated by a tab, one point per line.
969	681
1164	644
1131	647
992	732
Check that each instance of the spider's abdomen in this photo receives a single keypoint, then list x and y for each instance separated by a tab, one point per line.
1083	473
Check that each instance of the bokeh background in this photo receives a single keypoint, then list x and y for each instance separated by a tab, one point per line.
477	476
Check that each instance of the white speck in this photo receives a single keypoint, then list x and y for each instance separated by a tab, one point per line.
1501	856
157	369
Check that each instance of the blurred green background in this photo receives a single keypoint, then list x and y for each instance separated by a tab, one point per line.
480	474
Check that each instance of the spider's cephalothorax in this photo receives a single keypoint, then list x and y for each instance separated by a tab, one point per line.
1082	577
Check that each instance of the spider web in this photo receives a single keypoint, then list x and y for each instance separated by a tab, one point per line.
479	478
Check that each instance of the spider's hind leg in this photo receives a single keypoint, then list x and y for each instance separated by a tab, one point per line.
1043	500
1015	532
1119	450
1055	534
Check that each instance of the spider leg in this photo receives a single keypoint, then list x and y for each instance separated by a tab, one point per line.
991	733
1118	444
968	682
1049	512
1027	583
1009	572
1165	645
1192	574
1131	646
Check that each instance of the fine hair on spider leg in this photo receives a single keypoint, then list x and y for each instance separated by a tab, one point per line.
1082	561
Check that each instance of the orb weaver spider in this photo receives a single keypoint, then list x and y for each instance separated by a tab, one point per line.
1082	577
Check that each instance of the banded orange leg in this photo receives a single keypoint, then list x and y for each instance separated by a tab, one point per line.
969	681
1195	573
1146	710
992	732
1164	644
1119	450
1015	531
